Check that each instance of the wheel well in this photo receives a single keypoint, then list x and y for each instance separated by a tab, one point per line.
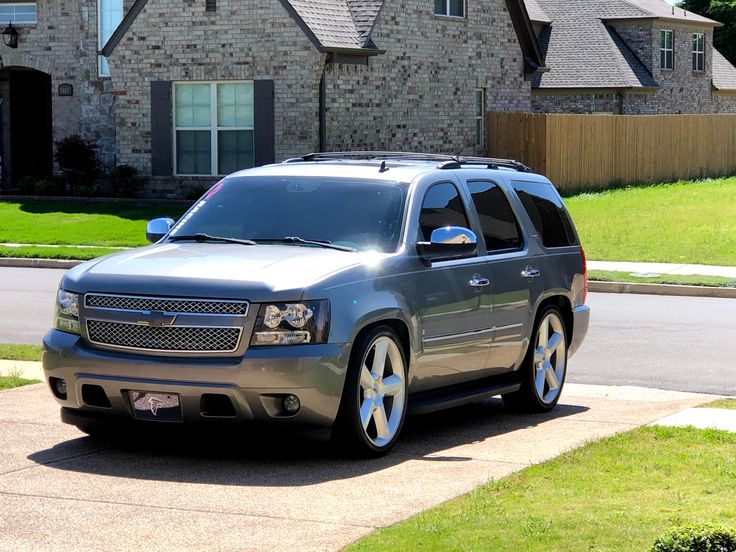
562	303
398	326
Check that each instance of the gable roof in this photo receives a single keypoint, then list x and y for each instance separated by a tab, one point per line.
659	9
536	13
724	74
583	52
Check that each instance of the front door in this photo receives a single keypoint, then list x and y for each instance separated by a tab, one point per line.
453	310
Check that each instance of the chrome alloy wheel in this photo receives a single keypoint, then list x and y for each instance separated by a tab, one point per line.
550	358
382	391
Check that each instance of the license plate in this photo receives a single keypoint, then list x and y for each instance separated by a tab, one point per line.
160	407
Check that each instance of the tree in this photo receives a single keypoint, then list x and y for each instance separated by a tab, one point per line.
723	11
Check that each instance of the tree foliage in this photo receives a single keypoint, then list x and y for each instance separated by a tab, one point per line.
723	11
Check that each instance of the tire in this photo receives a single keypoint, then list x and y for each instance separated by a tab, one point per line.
373	405
545	365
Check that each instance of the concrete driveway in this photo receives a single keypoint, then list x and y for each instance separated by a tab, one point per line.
60	490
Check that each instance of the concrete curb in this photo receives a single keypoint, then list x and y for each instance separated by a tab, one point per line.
13	262
662	289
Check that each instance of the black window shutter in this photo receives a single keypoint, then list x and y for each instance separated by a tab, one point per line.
161	129
210	5
264	135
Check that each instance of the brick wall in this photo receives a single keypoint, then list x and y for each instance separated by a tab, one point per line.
419	95
584	102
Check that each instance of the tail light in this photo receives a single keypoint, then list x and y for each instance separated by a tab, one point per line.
585	274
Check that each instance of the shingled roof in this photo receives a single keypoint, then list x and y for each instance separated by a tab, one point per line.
724	74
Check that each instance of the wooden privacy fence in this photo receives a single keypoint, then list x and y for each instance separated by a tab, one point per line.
593	151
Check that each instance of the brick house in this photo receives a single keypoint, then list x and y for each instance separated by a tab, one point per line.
628	57
185	90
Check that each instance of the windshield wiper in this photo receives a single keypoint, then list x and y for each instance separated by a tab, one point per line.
200	237
297	239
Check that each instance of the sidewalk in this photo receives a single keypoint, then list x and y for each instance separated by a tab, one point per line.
664	268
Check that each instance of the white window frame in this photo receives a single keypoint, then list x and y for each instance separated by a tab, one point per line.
698	55
19	4
446	13
213	129
665	49
480	119
101	72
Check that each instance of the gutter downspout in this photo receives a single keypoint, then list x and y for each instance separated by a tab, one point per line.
322	110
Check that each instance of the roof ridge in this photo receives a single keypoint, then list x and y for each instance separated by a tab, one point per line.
365	16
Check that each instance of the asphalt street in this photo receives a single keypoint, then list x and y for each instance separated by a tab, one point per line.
677	343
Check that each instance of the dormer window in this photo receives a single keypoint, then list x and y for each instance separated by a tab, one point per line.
698	52
449	8
666	50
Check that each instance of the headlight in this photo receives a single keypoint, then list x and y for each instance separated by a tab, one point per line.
292	323
67	312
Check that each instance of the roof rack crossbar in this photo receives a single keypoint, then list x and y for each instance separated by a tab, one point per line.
447	161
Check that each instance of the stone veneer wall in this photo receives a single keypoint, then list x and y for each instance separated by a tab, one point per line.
63	44
420	94
176	40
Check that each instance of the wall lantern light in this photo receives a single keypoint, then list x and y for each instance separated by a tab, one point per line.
10	36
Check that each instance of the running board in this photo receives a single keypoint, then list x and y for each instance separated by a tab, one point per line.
450	397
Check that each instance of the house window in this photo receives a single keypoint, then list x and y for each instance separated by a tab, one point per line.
666	50
210	5
18	13
449	8
109	15
213	127
698	52
480	117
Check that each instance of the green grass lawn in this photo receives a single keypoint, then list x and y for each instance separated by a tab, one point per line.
100	224
694	280
617	494
64	252
729	404
20	352
685	222
8	382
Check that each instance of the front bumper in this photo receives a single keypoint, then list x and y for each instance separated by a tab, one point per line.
581	320
253	383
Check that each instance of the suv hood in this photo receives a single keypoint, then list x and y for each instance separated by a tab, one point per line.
263	272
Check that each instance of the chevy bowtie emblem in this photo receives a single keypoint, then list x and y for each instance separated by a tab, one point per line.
157	319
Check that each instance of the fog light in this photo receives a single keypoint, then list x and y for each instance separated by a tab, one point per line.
291	404
58	386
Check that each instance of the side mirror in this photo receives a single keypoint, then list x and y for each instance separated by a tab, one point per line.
158	228
448	243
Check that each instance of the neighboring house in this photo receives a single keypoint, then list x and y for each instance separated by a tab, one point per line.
199	88
628	57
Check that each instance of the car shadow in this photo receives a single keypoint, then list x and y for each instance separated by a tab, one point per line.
259	458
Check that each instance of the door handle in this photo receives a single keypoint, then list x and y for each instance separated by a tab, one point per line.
477	281
530	273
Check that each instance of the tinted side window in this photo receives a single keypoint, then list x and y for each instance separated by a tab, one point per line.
497	220
442	207
547	212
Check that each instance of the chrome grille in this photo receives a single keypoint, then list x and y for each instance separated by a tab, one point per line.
168	338
171	304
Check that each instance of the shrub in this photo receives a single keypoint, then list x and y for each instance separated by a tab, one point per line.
195	192
48	186
78	161
124	181
697	538
27	185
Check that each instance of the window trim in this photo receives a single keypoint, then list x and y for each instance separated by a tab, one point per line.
664	49
698	55
480	118
23	23
446	13
213	129
519	229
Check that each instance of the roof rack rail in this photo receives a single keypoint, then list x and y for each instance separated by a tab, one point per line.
446	161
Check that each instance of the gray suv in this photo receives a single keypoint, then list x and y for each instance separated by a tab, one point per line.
337	292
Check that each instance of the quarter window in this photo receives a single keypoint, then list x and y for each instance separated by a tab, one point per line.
497	220
442	207
18	13
547	213
666	50
213	127
449	8
698	52
480	117
109	16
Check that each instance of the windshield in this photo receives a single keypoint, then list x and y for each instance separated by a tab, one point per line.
354	213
